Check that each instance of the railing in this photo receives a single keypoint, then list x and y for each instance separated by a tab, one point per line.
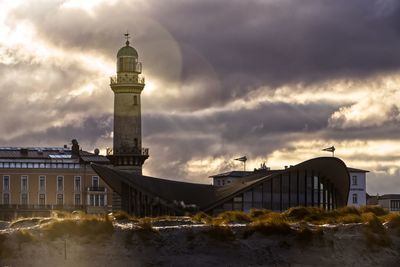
96	189
144	152
122	80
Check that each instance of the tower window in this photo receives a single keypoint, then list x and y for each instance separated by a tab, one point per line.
135	102
354	180
136	142
355	199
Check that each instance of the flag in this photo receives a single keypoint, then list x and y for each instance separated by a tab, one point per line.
329	149
243	159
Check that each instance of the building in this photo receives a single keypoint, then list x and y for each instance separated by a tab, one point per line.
40	179
36	180
358	188
127	85
357	193
390	202
320	182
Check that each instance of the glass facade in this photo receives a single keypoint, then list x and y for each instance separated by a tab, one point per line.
290	189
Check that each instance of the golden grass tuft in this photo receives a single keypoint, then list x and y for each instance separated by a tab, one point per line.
88	227
202	217
122	215
234	217
377	210
258	213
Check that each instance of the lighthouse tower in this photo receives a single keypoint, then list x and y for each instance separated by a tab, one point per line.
127	85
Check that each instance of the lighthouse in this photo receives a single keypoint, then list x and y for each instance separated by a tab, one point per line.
127	85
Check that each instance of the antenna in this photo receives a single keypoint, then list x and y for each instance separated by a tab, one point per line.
127	37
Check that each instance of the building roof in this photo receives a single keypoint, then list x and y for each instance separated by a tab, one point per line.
201	195
389	196
231	174
48	153
356	170
206	197
127	51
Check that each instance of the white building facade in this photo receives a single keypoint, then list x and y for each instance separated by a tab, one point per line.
358	188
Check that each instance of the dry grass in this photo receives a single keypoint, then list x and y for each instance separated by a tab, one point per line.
91	228
202	217
269	224
122	215
234	217
258	213
374	232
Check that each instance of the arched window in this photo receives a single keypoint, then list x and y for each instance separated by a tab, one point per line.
135	100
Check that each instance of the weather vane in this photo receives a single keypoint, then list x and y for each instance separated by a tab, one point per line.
127	37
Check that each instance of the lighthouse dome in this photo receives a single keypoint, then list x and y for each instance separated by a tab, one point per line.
127	51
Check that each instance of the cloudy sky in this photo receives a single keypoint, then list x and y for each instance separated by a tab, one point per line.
275	80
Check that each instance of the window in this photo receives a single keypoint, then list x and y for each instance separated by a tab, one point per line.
395	205
354	180
355	198
135	102
101	200
6	183
42	199
6	199
42	183
24	183
97	200
77	199
60	199
95	181
60	183
77	184
24	199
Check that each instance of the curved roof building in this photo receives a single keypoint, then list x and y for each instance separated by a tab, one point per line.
319	182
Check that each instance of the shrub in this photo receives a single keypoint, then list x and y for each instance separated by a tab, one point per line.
234	217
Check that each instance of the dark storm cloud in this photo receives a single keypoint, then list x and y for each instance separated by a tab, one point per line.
202	55
255	133
246	43
88	133
278	42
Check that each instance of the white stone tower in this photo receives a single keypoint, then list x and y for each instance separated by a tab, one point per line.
127	85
